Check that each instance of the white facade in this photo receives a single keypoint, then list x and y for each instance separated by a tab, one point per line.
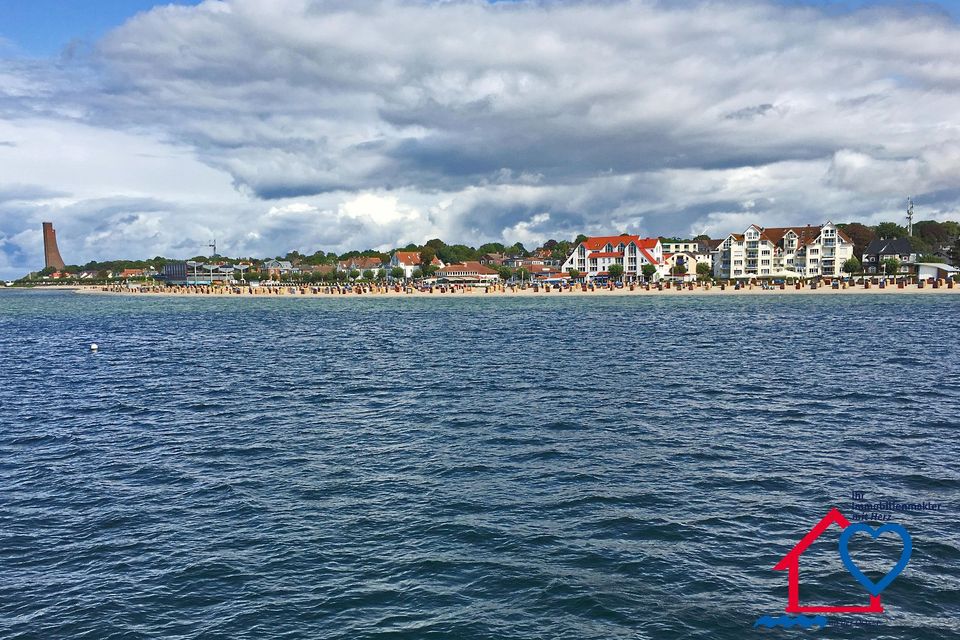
783	252
688	260
594	256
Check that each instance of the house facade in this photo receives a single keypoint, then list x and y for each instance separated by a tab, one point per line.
409	261
681	246
594	256
361	264
773	252
880	250
277	268
467	272
689	261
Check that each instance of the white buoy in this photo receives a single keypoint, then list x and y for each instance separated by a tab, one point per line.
94	347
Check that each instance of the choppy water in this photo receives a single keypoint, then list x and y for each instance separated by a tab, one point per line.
466	468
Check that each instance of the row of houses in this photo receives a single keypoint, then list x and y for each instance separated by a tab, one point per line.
758	252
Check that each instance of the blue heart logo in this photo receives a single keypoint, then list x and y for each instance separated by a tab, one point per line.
875	588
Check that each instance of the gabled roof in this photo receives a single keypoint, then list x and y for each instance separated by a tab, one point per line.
597	243
833	517
899	246
411	258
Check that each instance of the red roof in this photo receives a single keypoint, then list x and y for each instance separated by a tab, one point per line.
645	245
411	258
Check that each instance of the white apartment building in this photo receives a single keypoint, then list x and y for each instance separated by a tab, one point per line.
684	246
594	256
783	252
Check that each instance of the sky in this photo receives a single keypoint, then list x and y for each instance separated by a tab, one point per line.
143	129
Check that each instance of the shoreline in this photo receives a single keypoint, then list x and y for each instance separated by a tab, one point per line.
507	292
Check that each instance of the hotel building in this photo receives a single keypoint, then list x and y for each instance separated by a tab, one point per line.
773	252
594	256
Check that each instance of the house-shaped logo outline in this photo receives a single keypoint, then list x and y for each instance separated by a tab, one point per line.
791	564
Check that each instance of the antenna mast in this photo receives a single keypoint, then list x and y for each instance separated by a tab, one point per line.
909	216
213	245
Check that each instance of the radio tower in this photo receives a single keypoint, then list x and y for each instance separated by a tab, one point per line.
909	216
213	245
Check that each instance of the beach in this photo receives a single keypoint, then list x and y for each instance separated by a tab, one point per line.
493	291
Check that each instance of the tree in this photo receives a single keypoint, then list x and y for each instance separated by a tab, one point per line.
648	271
932	232
518	250
397	273
860	234
679	270
368	274
427	254
522	273
851	266
919	245
703	271
417	273
580	238
891	266
616	271
505	272
574	273
354	274
890	230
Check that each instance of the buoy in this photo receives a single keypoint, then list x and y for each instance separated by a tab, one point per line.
94	347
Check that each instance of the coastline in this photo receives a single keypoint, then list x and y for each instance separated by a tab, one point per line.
507	292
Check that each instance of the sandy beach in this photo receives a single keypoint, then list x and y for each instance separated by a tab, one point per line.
494	291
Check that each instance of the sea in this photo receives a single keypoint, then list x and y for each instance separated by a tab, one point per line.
582	467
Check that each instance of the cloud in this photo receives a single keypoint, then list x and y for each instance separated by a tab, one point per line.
375	122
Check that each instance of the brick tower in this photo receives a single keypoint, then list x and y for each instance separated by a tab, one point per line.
51	254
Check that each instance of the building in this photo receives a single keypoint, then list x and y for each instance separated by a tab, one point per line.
132	273
880	250
278	268
687	246
51	253
190	272
467	273
594	256
782	252
492	259
935	270
361	264
409	261
689	261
